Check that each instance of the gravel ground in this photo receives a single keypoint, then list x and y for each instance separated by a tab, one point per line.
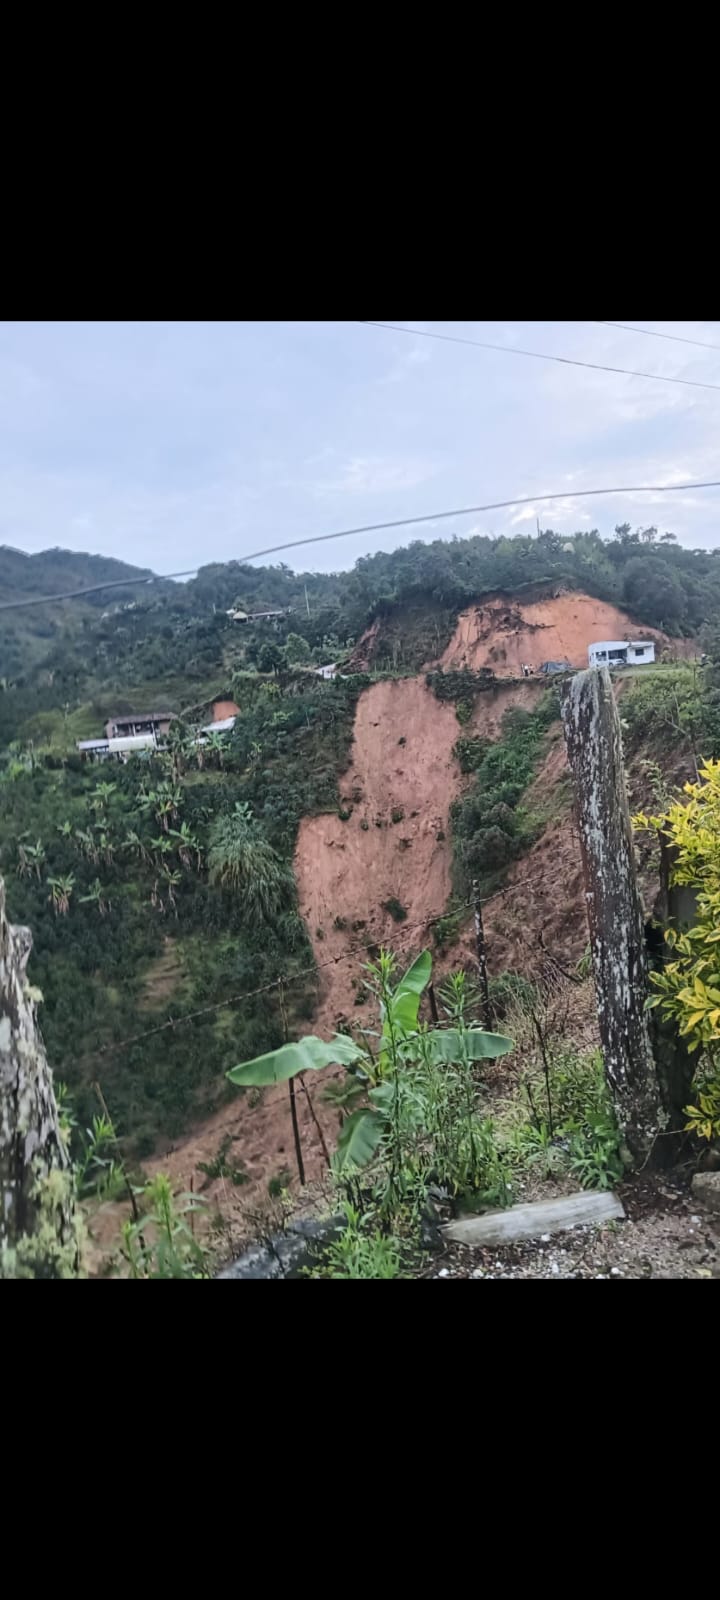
665	1235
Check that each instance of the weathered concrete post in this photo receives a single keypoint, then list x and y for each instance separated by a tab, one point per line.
37	1221
592	734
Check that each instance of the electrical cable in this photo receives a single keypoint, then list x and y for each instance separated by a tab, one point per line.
539	355
373	527
318	966
652	333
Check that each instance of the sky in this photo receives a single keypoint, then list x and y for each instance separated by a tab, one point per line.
172	444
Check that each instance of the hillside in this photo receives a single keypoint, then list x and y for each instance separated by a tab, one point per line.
387	790
30	635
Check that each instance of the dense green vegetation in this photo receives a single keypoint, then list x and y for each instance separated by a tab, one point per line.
111	866
490	827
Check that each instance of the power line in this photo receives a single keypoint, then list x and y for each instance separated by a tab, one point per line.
539	355
677	338
377	527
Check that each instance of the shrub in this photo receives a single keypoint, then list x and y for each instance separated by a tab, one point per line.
397	814
395	909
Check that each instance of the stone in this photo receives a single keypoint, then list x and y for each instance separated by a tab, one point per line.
286	1255
706	1190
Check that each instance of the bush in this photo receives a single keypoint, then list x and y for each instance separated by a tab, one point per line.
511	988
395	909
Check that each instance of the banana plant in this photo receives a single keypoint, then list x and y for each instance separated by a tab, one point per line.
363	1130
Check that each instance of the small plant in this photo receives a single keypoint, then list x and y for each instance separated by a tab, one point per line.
397	814
319	933
446	931
344	813
221	1167
402	739
340	923
364	824
361	1251
162	1243
395	909
279	1184
511	988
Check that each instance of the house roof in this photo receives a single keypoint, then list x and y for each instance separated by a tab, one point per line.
142	716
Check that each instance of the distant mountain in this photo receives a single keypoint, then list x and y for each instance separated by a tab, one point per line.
28	635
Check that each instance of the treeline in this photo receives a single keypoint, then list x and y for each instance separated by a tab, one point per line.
178	639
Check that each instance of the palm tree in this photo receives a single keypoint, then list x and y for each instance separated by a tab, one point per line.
60	891
241	859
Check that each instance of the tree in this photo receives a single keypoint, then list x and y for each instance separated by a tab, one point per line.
270	659
297	650
651	587
241	859
38	1236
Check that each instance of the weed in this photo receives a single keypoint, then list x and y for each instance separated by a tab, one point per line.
279	1184
361	1251
221	1167
162	1243
397	814
395	909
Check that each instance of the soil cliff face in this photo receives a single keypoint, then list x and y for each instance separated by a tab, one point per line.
502	634
348	871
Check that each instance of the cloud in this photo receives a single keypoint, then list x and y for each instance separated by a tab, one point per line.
372	475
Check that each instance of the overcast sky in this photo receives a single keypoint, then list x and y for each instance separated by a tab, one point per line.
172	444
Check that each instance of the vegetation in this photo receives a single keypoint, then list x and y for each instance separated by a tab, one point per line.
489	825
688	987
422	1122
176	862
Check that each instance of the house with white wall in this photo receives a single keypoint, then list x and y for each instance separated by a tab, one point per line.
621	653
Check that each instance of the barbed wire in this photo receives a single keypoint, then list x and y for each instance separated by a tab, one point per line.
313	969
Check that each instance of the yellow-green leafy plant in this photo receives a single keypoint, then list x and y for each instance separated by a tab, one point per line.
688	987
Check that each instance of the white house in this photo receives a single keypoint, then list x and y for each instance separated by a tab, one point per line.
621	653
327	672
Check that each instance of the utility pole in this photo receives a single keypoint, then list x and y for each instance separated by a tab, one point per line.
307	602
481	956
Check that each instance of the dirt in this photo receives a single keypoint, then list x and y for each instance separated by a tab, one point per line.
665	1235
402	763
502	634
161	978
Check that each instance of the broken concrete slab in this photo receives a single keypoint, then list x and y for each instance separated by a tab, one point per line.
589	1208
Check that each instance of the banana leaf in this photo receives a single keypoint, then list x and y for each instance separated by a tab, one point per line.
305	1055
359	1138
470	1044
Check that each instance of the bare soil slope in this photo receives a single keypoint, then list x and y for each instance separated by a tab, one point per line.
503	634
401	766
